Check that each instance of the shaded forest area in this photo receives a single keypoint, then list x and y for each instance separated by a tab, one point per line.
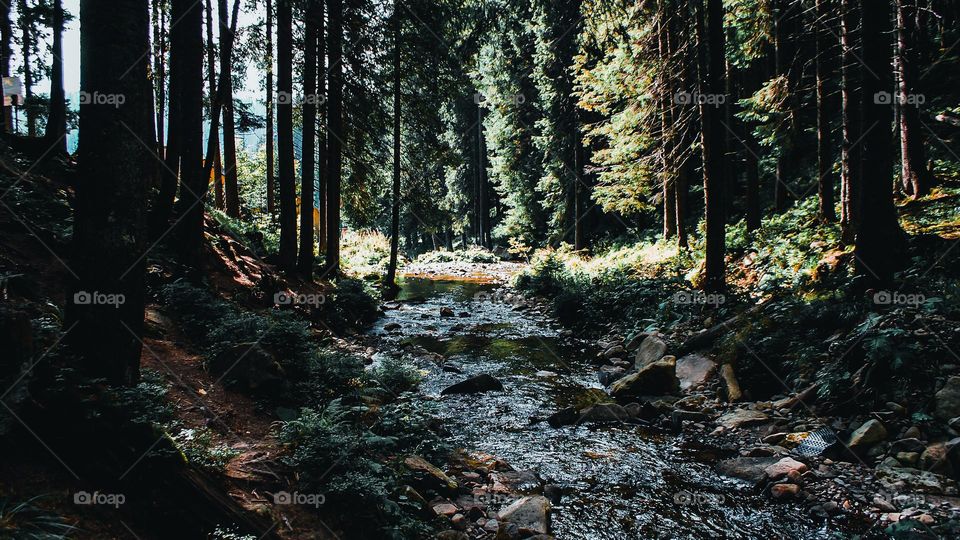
480	269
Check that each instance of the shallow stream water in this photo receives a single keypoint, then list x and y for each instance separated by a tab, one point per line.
620	481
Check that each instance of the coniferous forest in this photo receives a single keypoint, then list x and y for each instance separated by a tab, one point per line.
479	269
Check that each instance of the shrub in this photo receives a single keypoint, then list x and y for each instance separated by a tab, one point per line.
25	520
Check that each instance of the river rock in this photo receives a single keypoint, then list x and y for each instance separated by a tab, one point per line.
531	514
609	374
655	379
784	491
941	457
452	535
427	476
751	469
742	418
563	417
605	412
694	370
392	327
474	385
785	467
447	312
617	351
651	350
867	435
948	400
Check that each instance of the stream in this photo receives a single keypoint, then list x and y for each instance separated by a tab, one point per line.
619	481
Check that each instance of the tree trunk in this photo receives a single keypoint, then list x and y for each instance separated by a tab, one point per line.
850	160
6	34
825	183
288	187
784	56
213	143
271	178
880	240
667	147
391	279
110	229
193	175
228	30
56	133
308	145
159	72
26	46
916	176
321	131
334	134
714	141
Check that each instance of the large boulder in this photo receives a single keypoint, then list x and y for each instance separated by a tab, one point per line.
251	367
651	349
427	477
867	435
948	400
742	418
605	412
655	379
474	385
694	370
751	469
531	514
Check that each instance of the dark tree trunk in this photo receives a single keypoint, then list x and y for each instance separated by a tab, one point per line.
334	134
159	71
56	133
321	131
110	229
391	279
850	160
784	38
685	165
288	187
26	46
880	240
916	176
193	178
580	189
213	142
6	34
228	30
824	65
667	148
308	145
714	141
271	178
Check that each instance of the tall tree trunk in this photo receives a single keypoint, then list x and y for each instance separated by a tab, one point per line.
334	133
321	131
714	141
6	34
56	133
288	187
579	236
159	71
213	143
228	29
916	176
667	146
785	49
308	145
850	160
824	65
193	175
110	229
880	240
391	279
25	17
271	177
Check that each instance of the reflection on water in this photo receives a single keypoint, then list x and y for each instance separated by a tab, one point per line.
619	481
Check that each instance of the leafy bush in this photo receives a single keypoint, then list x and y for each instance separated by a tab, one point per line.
390	378
365	254
26	521
330	374
473	254
198	446
351	306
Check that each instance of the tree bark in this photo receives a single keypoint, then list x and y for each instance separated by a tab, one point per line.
26	46
159	72
6	34
110	230
288	188
308	144
321	131
851	155
271	178
334	134
667	147
825	183
213	143
56	133
228	30
391	279
714	141
915	175
785	50
880	240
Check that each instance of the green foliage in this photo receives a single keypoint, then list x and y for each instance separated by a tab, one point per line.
201	451
26	521
473	254
390	378
351	306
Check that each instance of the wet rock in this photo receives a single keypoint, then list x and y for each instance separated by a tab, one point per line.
515	481
651	350
883	504
605	412
610	374
474	385
775	438
392	327
742	418
530	514
563	417
867	435
445	509
729	376
451	367
785	467
635	342
751	469
553	492
908	458
426	476
913	432
251	367
948	400
937	458
899	479
447	312
694	370
617	351
784	491
507	531
907	445
655	379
